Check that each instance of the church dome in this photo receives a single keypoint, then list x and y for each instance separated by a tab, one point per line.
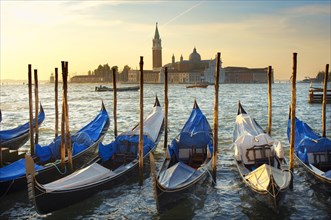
195	56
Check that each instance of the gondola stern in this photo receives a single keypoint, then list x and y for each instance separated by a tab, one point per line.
30	176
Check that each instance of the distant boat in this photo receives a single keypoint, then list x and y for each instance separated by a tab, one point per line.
198	85
118	89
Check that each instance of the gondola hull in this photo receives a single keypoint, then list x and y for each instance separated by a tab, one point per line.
17	137
52	172
187	161
13	176
47	202
271	196
312	151
104	172
168	198
312	172
260	160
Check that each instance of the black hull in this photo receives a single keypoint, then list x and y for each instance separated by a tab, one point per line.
46	202
265	196
169	199
52	172
16	143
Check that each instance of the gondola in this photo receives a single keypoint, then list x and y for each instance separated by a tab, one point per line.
312	151
187	161
47	158
17	137
260	160
117	162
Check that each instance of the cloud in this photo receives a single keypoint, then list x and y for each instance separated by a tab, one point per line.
313	9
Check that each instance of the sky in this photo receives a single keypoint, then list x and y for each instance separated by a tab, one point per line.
253	34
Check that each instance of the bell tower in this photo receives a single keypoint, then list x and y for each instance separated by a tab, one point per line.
157	50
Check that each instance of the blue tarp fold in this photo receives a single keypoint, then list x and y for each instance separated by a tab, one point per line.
306	140
124	143
196	132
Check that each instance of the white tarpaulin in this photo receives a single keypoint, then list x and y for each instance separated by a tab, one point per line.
81	177
152	124
178	174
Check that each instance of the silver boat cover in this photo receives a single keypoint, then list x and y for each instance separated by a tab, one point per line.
248	134
177	175
152	124
83	177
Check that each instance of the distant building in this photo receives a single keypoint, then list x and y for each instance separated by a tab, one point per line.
193	70
51	78
246	75
150	76
87	79
157	51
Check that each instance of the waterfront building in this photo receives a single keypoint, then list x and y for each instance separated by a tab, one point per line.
246	75
150	76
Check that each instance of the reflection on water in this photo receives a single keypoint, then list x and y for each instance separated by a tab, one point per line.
228	199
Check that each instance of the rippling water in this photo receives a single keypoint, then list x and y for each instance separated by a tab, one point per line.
228	199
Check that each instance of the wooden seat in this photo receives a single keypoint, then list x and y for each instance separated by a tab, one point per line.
265	157
322	160
197	158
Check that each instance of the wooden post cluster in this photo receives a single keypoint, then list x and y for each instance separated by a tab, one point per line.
293	106
141	120
215	133
269	99
65	116
324	99
115	102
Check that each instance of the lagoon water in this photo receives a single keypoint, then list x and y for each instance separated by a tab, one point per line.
228	199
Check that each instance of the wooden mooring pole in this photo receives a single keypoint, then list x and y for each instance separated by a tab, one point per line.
215	134
166	107
115	102
324	99
141	120
56	103
36	106
293	106
30	110
269	99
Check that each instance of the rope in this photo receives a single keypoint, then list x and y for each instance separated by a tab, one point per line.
12	182
53	164
211	176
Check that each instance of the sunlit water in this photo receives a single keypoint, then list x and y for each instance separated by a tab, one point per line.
228	199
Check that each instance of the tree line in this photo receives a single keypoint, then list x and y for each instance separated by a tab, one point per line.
320	76
106	72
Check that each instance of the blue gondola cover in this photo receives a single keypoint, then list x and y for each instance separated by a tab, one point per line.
307	141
